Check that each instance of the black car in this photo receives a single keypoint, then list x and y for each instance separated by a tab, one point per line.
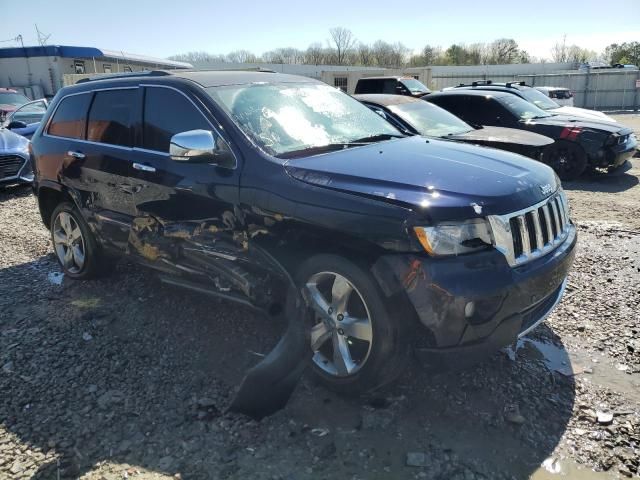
579	143
394	85
415	117
229	183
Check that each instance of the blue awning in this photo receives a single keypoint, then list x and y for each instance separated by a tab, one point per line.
87	52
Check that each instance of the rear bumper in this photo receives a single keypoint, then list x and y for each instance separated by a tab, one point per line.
474	305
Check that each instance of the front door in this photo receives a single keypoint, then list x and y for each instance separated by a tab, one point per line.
186	213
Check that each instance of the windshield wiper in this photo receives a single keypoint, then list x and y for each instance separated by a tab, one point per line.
303	152
331	147
374	138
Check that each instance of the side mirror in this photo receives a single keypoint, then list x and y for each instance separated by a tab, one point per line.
201	146
16	124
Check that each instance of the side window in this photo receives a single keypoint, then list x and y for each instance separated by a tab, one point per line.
454	104
369	86
112	116
70	117
485	111
167	112
390	86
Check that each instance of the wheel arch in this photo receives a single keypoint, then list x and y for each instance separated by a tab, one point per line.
50	195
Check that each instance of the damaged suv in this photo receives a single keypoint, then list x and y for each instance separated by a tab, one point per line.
222	181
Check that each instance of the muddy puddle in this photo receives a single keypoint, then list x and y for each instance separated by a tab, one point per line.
595	368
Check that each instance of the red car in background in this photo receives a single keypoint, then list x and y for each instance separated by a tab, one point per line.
10	100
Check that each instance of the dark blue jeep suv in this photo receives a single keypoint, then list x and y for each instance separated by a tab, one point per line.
222	181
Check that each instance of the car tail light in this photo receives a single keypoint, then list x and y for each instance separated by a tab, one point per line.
570	133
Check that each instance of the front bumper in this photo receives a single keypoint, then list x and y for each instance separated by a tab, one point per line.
14	170
474	305
617	155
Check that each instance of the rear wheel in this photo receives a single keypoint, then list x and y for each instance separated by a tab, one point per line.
74	245
567	159
357	347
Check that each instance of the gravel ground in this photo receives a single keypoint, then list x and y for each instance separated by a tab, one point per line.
128	378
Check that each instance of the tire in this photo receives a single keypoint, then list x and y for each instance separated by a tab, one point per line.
374	362
71	237
567	159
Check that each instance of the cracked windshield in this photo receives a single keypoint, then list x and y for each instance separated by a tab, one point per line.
335	241
286	119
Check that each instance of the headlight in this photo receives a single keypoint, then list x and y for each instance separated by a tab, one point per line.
455	238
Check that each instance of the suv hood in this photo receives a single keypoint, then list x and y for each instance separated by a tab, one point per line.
439	179
503	135
572	121
582	113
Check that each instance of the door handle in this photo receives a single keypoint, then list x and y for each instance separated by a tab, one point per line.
78	155
144	168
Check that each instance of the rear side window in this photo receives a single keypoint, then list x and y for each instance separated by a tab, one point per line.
167	112
369	86
390	87
69	119
455	104
112	116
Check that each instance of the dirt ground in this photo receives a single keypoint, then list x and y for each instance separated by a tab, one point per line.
128	378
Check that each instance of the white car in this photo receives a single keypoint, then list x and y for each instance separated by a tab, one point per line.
540	98
562	96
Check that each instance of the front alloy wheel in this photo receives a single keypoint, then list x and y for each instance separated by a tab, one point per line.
356	346
69	243
342	335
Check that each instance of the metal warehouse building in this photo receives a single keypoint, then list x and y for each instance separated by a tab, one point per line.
38	71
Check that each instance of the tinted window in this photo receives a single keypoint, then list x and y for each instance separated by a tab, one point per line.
111	117
390	86
486	111
368	86
69	119
456	104
167	112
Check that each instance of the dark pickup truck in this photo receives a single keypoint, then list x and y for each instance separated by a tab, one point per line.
231	183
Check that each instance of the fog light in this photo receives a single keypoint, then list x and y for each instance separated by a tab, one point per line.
469	309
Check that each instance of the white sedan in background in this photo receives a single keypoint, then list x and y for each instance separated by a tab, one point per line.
563	98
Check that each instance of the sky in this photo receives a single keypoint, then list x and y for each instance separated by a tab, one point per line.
161	29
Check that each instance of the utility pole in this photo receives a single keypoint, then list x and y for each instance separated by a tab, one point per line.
26	58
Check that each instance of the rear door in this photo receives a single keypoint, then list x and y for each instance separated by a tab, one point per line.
108	155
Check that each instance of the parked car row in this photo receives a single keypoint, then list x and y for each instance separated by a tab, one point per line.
489	113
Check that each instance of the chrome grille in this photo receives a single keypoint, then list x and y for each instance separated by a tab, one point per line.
10	165
535	231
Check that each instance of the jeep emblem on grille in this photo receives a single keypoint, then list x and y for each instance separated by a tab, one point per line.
546	189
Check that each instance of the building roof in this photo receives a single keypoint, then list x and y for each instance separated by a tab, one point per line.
66	51
385	99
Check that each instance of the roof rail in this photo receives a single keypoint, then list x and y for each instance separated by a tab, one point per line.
477	83
109	76
511	84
